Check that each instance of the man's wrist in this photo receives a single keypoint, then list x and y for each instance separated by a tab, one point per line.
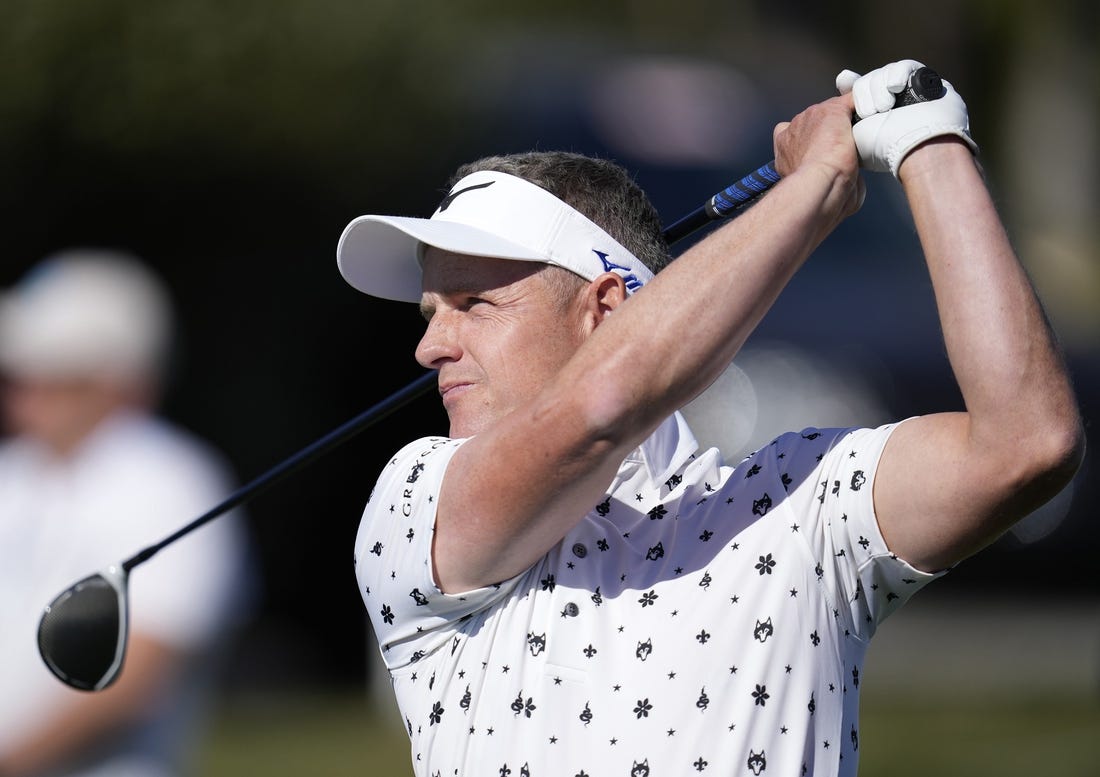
932	155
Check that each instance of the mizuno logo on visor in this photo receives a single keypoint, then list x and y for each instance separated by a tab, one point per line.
629	278
451	197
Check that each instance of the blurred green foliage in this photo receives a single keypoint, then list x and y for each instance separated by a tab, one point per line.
332	87
315	87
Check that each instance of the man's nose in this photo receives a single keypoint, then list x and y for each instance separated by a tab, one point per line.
439	342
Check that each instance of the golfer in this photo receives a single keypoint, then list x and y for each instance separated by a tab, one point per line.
565	584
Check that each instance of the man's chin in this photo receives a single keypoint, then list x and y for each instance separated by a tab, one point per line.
459	427
463	426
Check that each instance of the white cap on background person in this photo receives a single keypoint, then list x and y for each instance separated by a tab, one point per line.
86	313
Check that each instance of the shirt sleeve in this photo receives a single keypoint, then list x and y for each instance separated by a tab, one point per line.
866	581
393	557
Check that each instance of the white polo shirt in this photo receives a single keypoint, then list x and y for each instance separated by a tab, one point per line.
133	482
701	619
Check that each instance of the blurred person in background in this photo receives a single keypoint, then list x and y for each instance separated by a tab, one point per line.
88	476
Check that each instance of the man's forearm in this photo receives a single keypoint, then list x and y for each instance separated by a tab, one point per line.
708	301
1002	351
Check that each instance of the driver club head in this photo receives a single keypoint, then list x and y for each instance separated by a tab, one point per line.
83	632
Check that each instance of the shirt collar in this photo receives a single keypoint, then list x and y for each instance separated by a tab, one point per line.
668	449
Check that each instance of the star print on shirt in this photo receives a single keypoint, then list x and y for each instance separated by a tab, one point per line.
778	613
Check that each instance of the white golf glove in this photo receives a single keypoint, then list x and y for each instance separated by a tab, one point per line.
884	134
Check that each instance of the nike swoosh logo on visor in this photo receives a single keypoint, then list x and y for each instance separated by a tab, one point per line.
451	197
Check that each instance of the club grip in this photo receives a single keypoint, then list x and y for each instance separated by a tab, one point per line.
747	189
924	84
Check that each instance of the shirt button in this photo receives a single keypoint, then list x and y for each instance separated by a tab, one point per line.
572	610
579	550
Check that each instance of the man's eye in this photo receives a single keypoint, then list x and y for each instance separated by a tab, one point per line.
472	301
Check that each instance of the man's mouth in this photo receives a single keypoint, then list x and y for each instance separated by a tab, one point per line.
452	390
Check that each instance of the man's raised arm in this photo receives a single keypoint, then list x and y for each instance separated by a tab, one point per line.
518	487
951	483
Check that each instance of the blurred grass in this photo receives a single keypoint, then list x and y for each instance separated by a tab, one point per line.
339	736
1007	738
294	736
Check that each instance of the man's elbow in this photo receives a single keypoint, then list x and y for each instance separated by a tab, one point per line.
1069	448
610	416
1056	454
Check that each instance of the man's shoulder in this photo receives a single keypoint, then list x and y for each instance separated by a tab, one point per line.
417	463
808	442
422	448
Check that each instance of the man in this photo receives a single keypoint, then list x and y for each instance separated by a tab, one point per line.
88	476
566	586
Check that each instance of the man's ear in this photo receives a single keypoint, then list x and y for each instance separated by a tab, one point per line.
605	293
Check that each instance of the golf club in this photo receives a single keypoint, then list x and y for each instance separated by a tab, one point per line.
83	632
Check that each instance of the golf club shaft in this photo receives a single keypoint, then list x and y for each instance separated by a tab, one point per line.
399	399
341	434
725	203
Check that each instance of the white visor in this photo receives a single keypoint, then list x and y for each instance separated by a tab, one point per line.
487	213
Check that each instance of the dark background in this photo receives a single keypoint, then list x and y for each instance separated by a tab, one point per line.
229	142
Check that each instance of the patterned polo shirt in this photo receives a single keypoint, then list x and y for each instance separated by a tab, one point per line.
700	619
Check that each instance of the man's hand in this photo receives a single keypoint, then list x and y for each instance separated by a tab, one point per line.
819	140
884	134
